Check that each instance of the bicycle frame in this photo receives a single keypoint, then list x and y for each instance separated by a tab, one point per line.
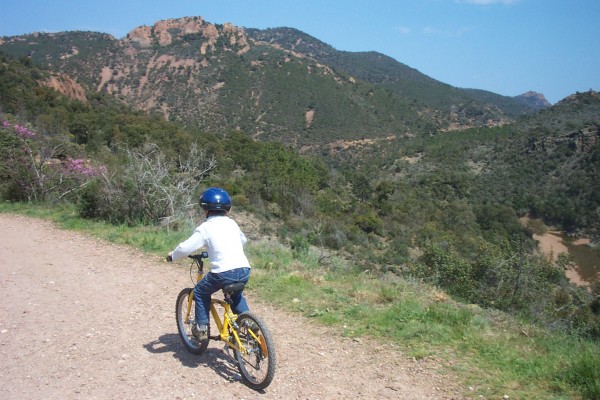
224	324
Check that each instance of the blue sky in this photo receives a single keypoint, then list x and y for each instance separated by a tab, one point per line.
504	46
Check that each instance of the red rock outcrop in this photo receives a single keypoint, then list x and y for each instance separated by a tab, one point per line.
67	86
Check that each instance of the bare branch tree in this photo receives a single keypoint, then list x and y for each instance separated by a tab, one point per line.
163	189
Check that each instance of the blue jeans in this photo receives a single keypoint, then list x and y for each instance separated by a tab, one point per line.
212	283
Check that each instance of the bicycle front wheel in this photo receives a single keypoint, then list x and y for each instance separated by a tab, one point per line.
256	360
184	324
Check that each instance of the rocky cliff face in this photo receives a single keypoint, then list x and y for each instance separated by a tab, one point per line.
67	86
163	32
534	99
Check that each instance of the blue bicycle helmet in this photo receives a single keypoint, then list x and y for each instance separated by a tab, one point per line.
214	199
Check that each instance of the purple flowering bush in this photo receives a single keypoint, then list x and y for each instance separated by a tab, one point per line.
38	168
78	166
20	130
143	186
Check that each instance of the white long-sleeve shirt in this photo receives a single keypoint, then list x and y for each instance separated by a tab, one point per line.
224	242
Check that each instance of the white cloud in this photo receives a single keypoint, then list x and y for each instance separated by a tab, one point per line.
428	30
462	31
405	30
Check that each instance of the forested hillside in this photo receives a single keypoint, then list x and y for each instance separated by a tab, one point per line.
401	80
277	84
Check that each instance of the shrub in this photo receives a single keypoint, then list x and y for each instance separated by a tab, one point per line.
148	188
299	245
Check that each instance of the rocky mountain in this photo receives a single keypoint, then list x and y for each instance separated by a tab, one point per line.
277	84
534	99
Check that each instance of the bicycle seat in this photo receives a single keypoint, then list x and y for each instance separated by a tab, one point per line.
234	287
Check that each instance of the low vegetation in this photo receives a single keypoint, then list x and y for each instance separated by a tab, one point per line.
491	352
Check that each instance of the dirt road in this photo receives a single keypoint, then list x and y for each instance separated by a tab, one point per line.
84	319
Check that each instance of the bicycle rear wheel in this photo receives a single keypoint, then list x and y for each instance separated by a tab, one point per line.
184	326
257	363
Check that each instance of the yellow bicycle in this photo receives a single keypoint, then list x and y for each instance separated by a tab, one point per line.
245	334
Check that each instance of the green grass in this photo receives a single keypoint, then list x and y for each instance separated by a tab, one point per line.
488	351
149	239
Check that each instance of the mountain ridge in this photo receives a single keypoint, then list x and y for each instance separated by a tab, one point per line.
277	83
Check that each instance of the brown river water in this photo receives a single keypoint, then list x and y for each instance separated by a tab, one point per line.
587	261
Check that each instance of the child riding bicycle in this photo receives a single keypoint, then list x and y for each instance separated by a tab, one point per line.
224	242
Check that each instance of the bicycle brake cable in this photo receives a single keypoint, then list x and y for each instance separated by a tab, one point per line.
191	273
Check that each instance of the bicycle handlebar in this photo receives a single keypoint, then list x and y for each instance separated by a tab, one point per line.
197	257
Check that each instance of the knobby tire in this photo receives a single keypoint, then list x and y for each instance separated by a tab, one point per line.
258	366
185	327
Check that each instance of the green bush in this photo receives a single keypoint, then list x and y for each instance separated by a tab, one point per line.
299	245
90	201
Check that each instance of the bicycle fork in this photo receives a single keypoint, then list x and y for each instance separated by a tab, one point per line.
189	307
